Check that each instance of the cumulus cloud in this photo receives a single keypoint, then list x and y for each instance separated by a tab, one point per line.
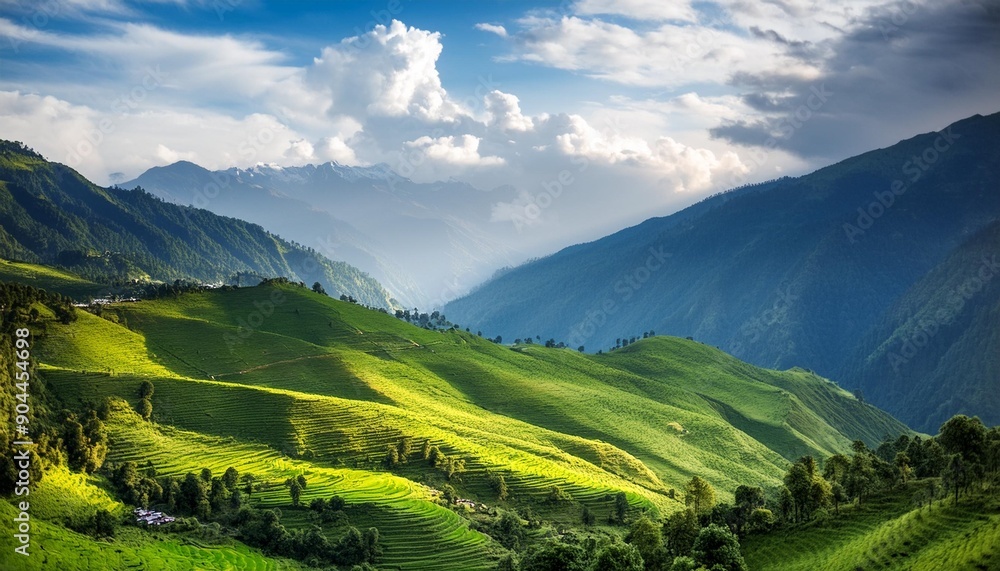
690	169
390	71
463	151
505	112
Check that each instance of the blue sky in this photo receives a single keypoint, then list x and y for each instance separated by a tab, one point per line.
665	102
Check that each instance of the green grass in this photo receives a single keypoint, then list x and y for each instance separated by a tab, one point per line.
889	533
281	381
62	496
51	279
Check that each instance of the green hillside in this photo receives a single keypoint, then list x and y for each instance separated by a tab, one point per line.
50	214
279	381
793	272
890	533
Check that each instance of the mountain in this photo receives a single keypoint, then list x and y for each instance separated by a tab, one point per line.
367	216
323	388
937	349
797	271
49	213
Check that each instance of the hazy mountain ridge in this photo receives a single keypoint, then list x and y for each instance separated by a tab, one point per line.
367	216
792	274
49	213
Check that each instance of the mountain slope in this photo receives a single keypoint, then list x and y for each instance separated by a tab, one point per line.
312	204
793	272
320	387
938	348
51	214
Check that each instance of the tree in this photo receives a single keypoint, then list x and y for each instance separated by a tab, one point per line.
679	532
700	495
621	507
761	519
318	288
588	517
839	495
509	530
499	485
683	563
104	524
836	469
145	409
193	493
405	448
619	557
554	556
785	502
435	457
648	540
861	478
903	465
955	476
219	496
748	498
391	456
967	437
717	548
294	490
145	390
230	478
248	482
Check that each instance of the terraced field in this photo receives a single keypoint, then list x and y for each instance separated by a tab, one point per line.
61	496
889	534
279	381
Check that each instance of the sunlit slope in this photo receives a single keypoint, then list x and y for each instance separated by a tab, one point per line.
62	497
794	412
677	406
889	533
53	279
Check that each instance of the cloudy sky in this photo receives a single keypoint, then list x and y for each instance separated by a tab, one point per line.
641	106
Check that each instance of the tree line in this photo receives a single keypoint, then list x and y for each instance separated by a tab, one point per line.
225	500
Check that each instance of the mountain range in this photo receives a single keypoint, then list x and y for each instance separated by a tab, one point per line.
50	214
838	271
366	216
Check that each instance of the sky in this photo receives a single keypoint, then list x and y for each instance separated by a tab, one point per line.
592	114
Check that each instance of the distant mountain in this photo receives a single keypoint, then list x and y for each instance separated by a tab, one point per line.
937	349
367	216
798	271
49	213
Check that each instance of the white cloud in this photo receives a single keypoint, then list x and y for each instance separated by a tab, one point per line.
493	29
690	169
653	10
463	151
666	56
505	112
390	71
